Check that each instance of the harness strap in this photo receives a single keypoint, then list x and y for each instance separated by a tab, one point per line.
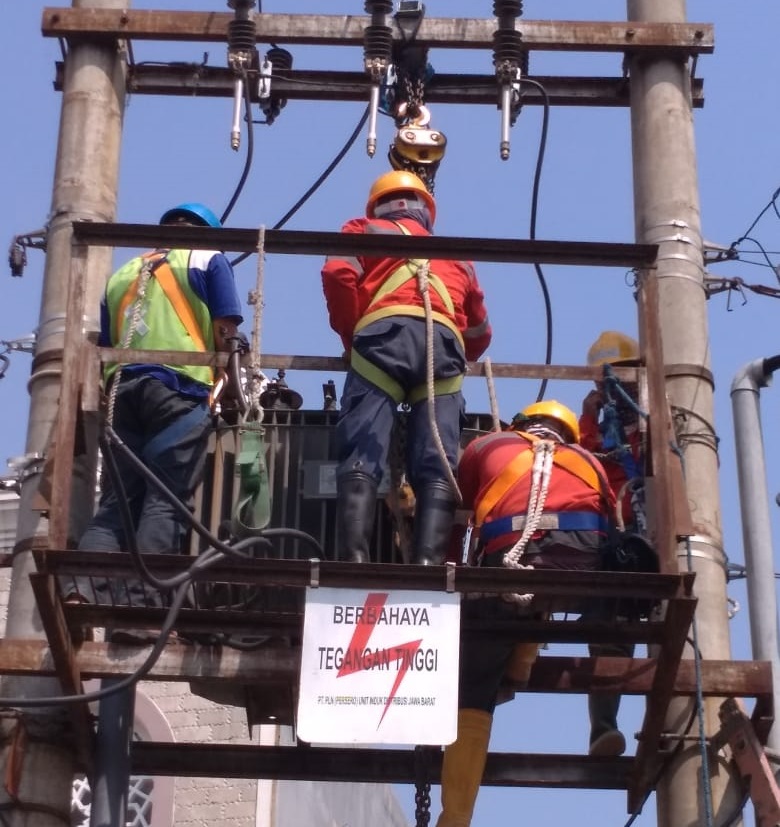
405	272
512	472
376	376
162	271
407	310
550	521
173	291
574	462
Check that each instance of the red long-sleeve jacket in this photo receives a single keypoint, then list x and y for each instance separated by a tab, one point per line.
486	457
350	286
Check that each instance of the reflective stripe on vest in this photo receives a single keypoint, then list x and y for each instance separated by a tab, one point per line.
402	274
520	465
550	521
195	320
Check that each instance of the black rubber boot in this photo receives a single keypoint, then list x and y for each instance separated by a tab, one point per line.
355	508
433	516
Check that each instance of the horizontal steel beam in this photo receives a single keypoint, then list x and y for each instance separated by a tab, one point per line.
303	573
194	79
388	766
318	243
349	30
268	361
555	674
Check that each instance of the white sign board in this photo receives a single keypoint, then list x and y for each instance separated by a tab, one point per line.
379	667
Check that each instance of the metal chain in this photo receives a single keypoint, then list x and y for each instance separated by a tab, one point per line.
134	319
422	801
414	89
422	786
399	487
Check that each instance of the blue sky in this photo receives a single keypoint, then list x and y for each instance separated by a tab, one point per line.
178	149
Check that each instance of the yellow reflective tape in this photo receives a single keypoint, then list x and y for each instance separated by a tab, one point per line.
407	310
449	384
377	377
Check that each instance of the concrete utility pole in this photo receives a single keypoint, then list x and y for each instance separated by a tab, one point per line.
85	186
667	213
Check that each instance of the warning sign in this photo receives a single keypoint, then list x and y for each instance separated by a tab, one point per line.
379	667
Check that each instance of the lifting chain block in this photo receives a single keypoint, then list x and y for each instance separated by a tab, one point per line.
416	147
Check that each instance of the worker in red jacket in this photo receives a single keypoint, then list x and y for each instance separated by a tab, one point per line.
392	314
609	426
538	500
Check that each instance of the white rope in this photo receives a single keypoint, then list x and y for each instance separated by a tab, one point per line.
257	380
422	285
492	394
541	473
135	319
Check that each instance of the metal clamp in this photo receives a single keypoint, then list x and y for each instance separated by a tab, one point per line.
450	576
314	574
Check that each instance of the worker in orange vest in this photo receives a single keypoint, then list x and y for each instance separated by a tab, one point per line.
540	501
394	315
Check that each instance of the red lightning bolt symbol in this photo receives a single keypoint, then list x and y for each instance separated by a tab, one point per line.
360	637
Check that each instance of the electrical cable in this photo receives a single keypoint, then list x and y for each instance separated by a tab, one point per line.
316	185
773	204
219	549
532	229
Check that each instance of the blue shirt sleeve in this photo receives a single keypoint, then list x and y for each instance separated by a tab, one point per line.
211	277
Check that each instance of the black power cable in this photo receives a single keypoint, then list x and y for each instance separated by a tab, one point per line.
316	185
532	229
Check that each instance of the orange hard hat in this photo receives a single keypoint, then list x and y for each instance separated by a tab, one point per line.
613	348
399	181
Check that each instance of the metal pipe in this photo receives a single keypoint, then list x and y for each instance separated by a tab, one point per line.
756	524
110	780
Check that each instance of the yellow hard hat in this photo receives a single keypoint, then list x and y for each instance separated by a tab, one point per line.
552	410
399	180
613	348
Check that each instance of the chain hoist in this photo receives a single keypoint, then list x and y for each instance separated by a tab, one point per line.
416	146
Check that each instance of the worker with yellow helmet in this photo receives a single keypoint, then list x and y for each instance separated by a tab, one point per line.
609	425
560	518
378	306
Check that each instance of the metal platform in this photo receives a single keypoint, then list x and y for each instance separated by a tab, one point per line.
264	678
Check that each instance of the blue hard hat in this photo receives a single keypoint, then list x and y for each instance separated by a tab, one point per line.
198	213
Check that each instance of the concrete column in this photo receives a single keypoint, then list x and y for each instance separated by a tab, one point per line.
667	213
85	187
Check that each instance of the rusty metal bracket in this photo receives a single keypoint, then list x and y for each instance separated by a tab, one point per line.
751	761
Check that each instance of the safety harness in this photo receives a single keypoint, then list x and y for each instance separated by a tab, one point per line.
407	271
539	462
574	460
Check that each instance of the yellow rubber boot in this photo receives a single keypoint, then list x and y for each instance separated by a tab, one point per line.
523	657
462	768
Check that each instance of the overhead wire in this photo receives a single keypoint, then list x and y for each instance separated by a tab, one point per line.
317	183
532	228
